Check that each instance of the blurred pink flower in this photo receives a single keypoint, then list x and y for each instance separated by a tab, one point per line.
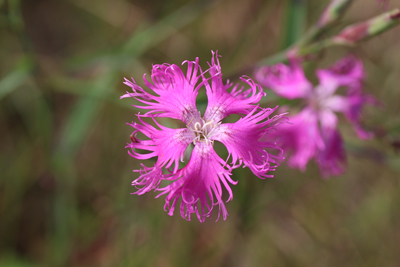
312	133
198	184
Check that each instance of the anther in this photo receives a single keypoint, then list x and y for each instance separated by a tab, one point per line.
187	125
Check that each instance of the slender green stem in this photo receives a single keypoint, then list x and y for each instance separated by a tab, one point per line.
282	56
308	37
317	47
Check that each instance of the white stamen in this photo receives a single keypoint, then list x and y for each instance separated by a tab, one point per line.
208	123
203	130
197	126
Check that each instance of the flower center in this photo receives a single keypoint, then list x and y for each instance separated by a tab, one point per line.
318	100
203	130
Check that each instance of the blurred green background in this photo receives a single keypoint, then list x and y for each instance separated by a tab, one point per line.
65	174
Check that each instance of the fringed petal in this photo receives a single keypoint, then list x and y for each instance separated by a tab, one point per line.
175	92
246	141
167	144
222	103
198	185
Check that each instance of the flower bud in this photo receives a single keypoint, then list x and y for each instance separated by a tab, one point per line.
333	12
367	29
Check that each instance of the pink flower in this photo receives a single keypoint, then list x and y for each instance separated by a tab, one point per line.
199	185
312	133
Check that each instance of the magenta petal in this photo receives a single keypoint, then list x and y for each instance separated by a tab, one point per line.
347	72
222	103
354	113
198	185
148	180
244	144
327	119
175	93
331	159
352	106
167	144
286	81
300	136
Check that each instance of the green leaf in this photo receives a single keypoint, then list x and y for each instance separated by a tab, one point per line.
14	79
296	15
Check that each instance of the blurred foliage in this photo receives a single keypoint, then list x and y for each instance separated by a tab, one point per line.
65	175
